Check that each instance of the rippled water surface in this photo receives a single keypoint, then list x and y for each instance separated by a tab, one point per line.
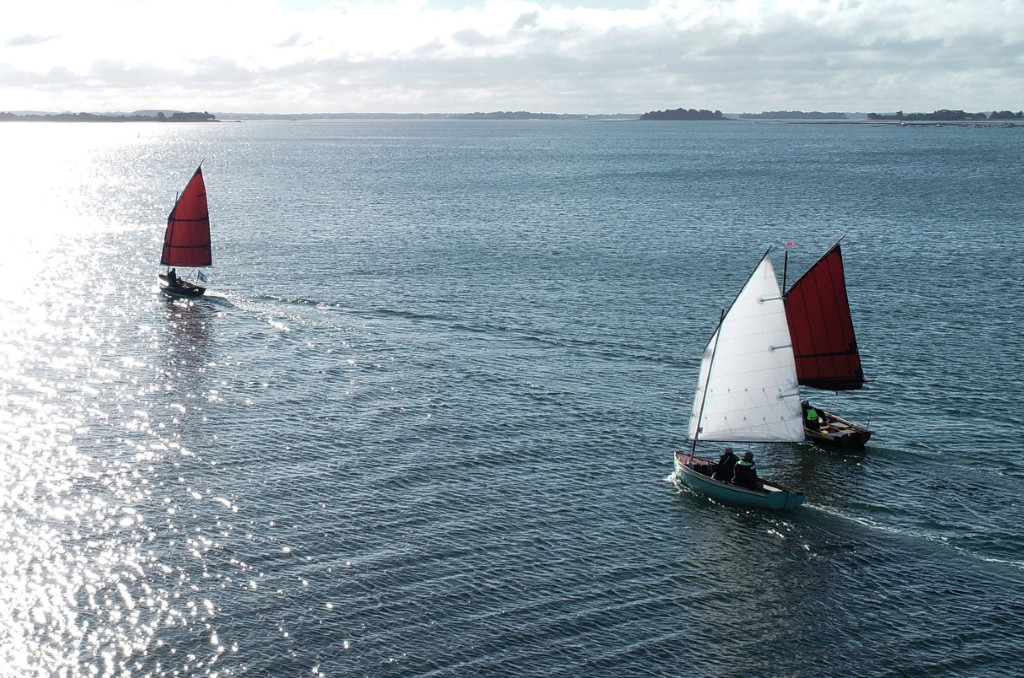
422	423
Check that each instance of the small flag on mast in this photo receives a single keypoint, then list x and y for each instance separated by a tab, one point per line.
201	276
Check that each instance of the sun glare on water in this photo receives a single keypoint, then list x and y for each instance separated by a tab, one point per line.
56	195
83	592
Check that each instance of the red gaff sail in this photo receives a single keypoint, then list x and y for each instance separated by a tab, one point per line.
187	238
818	313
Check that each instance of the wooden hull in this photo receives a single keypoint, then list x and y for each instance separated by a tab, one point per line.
838	432
774	496
182	289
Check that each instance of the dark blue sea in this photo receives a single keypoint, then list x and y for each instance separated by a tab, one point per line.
422	423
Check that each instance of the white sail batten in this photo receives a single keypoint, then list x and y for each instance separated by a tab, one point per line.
748	371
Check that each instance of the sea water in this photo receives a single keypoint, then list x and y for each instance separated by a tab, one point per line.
422	423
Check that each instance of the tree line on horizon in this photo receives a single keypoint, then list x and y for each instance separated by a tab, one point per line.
683	114
943	115
947	115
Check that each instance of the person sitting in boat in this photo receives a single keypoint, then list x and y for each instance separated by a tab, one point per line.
744	474
172	278
812	419
726	464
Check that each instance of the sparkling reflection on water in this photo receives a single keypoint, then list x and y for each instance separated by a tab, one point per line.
92	544
87	586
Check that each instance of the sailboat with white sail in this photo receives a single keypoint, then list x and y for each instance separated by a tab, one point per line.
746	392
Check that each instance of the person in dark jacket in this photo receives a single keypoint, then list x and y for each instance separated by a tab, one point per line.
812	418
726	464
744	474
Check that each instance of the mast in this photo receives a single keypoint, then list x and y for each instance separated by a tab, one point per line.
785	265
704	395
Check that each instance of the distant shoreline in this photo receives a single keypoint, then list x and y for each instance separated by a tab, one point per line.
944	116
940	117
159	116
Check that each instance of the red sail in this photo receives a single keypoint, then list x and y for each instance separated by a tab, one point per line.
187	239
818	312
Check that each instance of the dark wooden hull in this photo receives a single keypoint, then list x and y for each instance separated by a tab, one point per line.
838	432
180	289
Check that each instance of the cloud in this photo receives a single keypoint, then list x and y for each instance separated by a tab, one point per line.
29	40
291	41
597	56
526	20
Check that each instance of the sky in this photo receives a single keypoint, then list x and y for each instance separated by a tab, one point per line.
456	56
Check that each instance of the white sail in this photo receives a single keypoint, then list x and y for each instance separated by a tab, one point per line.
749	372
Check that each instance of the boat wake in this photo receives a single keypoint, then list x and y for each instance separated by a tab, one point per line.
911	533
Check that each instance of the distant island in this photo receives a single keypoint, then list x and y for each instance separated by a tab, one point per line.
946	115
684	114
141	116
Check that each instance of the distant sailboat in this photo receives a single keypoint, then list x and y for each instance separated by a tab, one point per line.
187	238
746	392
824	345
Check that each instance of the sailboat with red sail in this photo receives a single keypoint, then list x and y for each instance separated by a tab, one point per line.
187	238
825	347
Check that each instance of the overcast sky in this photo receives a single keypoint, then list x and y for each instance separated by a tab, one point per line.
566	56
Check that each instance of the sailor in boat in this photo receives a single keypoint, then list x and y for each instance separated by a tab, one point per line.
812	418
725	466
744	474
